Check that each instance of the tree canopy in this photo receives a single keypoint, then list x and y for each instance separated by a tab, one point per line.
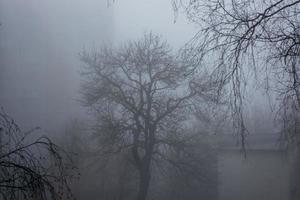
260	38
141	95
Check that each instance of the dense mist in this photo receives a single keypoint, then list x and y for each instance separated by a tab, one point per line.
40	43
149	99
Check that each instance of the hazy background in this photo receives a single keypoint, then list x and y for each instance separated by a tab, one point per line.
40	42
40	73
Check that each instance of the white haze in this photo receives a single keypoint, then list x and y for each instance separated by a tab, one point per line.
41	39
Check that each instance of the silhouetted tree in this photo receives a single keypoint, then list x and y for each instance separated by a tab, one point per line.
31	168
260	37
141	95
241	36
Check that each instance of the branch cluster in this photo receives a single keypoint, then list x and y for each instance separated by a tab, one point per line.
240	37
31	168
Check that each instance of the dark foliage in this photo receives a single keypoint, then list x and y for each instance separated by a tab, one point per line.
30	167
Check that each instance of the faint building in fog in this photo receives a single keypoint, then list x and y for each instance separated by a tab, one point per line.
262	175
40	42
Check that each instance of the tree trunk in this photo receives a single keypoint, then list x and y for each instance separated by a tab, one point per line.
144	183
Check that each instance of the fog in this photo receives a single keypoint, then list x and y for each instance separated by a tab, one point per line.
132	18
41	40
46	62
40	43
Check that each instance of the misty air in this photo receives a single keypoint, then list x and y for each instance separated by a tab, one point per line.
149	100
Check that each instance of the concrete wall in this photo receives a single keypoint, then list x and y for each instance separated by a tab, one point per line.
262	175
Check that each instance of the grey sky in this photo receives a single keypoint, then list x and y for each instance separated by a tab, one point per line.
40	42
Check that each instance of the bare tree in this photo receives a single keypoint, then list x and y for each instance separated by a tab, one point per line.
141	95
260	37
31	169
